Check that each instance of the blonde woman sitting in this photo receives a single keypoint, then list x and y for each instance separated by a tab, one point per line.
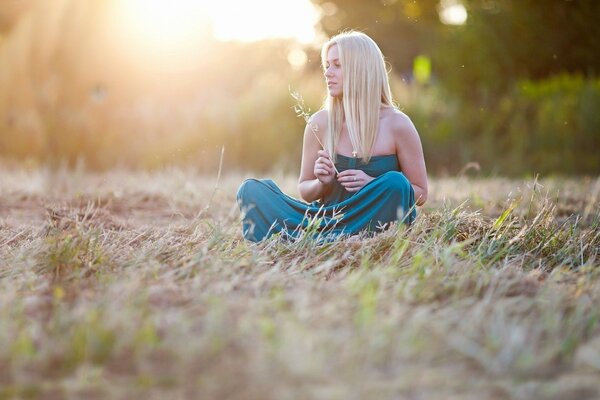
371	171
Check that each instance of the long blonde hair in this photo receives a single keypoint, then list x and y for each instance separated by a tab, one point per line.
365	88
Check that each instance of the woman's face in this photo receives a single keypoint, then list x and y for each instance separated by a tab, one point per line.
333	72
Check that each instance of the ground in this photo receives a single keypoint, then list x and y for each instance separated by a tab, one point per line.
138	284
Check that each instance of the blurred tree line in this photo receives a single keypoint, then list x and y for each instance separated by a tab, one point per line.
514	89
74	88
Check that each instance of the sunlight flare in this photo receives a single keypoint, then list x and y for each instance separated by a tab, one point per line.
452	12
170	23
164	24
263	19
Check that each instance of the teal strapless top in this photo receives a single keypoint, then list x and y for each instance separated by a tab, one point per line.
377	165
389	197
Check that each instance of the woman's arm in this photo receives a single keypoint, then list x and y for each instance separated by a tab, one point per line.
410	155
310	187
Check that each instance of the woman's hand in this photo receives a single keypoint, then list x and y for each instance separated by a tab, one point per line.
324	168
353	179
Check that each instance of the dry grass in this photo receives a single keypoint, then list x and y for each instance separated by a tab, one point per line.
129	285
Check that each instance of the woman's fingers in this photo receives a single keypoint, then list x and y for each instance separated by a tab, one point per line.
325	159
351	180
348	172
352	188
349	176
322	173
324	154
323	166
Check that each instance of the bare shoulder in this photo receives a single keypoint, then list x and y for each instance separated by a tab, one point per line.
319	119
318	123
401	125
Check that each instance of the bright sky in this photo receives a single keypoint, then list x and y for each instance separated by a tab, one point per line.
260	19
175	26
164	21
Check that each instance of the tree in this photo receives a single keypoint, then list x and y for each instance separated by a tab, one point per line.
402	28
506	41
502	41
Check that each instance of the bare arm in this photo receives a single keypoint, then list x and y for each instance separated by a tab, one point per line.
310	186
410	155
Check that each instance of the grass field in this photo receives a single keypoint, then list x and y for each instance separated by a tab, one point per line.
127	285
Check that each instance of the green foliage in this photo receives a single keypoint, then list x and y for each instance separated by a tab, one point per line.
402	28
507	41
422	69
502	41
546	126
73	254
23	346
481	107
90	341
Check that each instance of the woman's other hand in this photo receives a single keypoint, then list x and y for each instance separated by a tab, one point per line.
353	179
324	168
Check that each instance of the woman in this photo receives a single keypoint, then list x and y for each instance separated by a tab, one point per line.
371	169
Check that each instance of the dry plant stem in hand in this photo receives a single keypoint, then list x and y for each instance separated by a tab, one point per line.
324	168
301	111
313	130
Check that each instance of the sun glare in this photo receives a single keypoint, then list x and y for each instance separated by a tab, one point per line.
452	12
164	24
172	23
263	19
